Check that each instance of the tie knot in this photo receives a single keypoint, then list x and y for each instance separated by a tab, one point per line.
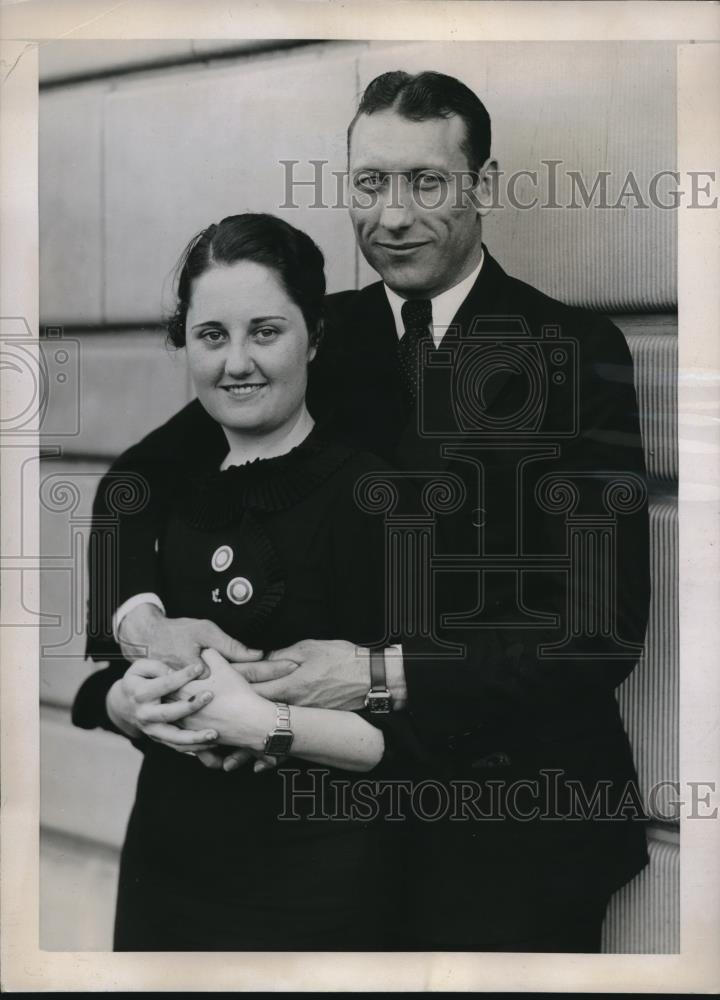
417	314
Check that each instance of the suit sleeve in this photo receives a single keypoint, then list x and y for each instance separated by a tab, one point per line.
519	678
122	560
121	563
127	513
358	597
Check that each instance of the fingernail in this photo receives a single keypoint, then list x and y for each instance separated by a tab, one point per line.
211	735
197	669
208	696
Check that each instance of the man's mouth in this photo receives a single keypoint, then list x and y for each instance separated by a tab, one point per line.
402	248
244	390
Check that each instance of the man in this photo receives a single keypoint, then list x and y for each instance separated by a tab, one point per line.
533	587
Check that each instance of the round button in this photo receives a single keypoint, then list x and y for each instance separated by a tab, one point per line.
239	590
222	558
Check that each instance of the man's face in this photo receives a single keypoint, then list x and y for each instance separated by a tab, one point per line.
411	203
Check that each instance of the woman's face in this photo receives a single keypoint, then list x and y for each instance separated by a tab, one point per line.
247	348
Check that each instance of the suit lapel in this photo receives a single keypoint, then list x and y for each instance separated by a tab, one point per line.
484	312
359	374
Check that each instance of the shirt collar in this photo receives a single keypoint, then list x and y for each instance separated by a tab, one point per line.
444	306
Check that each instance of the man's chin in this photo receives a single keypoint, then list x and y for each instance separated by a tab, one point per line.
405	281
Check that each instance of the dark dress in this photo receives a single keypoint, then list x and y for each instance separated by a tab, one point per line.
274	551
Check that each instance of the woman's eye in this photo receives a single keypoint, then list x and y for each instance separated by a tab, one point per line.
265	334
369	181
212	336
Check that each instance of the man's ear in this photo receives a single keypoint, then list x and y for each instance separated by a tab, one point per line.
486	187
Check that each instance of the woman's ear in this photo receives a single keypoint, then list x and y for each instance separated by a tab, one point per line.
313	348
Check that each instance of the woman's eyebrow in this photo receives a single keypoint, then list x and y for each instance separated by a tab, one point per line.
217	322
206	322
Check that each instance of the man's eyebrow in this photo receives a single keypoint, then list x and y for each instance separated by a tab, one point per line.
437	169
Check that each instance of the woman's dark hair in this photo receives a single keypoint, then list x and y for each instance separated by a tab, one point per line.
430	95
263	239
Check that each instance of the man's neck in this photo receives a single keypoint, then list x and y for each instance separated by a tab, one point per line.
445	305
469	267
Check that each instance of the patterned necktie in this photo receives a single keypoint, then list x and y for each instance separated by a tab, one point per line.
416	317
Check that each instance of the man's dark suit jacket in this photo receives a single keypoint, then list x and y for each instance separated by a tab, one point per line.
530	405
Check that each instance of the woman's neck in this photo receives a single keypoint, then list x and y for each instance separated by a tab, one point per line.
248	447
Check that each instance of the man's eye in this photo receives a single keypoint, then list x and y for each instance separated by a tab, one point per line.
369	181
428	181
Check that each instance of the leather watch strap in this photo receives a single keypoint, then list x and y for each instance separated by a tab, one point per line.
378	673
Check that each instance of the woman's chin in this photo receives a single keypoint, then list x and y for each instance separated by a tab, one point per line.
248	415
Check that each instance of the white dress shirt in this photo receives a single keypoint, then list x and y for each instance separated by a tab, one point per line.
444	306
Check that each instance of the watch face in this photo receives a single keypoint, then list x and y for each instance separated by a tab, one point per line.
278	743
378	702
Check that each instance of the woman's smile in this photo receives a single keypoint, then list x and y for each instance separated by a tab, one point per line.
248	349
243	391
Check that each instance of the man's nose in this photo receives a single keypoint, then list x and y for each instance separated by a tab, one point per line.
398	209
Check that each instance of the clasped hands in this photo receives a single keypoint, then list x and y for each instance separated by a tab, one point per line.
198	691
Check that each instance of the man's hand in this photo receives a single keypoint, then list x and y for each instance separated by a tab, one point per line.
145	633
331	673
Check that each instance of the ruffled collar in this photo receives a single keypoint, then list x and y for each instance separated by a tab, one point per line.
214	498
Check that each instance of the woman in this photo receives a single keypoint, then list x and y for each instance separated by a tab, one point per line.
260	534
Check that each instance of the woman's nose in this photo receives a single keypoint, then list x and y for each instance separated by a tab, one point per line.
239	360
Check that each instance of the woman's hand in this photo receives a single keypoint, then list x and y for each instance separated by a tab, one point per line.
135	705
242	717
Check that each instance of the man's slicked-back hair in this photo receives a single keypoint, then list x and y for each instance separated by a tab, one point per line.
427	95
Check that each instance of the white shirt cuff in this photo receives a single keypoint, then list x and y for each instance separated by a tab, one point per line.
127	606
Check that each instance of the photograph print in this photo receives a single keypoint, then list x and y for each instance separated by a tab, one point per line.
358	491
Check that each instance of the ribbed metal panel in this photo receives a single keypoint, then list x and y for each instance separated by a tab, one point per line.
655	358
585	113
595	108
644	916
649	698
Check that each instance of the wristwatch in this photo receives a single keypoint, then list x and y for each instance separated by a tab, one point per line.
378	698
279	740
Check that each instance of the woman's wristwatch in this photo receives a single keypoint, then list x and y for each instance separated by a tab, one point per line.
378	698
279	740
